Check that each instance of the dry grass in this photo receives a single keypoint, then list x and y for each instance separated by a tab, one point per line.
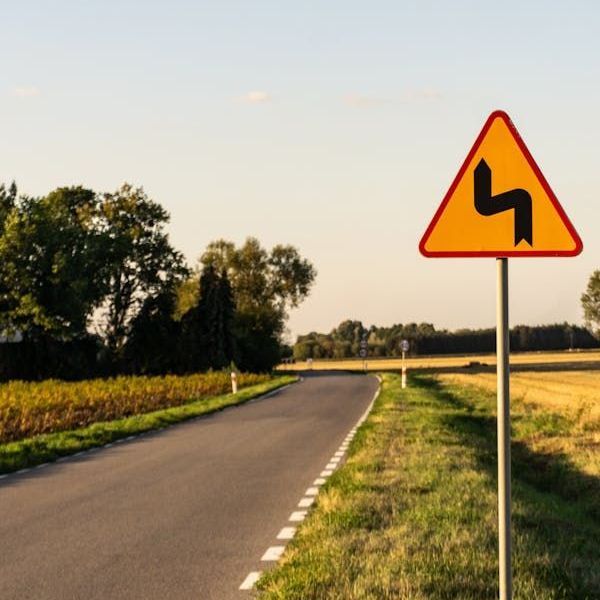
570	392
446	361
567	401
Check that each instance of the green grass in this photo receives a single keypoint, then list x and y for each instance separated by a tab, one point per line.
412	514
48	447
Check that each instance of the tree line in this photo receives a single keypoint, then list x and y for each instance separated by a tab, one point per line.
90	285
344	341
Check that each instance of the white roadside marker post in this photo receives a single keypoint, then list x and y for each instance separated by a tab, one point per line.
404	346
503	424
403	370
234	387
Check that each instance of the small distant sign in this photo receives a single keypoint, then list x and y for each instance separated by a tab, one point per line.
363	353
404	346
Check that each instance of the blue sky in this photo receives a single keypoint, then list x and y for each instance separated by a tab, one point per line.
335	126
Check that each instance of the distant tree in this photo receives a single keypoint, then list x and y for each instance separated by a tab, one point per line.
8	200
153	341
52	270
208	327
590	301
347	337
141	261
187	293
265	286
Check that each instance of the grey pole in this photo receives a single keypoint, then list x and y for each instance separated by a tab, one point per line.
503	373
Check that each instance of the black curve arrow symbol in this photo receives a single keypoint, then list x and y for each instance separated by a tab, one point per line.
517	199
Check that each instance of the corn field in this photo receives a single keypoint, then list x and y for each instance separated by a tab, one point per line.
32	408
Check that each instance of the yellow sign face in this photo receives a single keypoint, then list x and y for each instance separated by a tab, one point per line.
500	204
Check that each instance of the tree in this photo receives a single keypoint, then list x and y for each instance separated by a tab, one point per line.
590	301
265	286
152	345
8	199
51	263
208	327
141	261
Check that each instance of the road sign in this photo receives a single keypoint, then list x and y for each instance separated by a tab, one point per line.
363	352
404	346
500	204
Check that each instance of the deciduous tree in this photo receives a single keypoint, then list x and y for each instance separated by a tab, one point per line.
51	263
590	301
141	261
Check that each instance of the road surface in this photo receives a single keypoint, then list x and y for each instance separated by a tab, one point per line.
186	512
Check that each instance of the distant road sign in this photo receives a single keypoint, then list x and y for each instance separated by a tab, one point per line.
404	346
500	204
363	352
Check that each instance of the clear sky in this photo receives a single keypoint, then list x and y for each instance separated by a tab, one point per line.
335	126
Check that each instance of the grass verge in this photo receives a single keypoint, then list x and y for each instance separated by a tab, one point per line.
412	514
48	447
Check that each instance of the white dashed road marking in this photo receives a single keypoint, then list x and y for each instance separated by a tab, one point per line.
287	533
249	582
273	553
297	516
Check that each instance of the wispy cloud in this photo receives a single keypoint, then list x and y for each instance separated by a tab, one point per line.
256	97
363	100
413	95
422	94
25	91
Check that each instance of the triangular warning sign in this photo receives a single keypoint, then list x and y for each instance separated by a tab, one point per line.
500	204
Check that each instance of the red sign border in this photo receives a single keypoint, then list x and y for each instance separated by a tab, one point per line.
501	253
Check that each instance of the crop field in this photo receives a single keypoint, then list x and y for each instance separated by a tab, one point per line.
451	361
413	512
28	409
564	405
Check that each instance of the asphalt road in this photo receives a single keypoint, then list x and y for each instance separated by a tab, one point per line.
186	512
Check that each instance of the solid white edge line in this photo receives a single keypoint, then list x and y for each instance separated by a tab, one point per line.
273	392
250	580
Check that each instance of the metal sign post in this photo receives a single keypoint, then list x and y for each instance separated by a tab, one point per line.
503	419
364	351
